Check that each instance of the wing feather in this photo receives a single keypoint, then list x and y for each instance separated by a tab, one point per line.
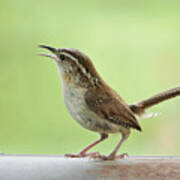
110	106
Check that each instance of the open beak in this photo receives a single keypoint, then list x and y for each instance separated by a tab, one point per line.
53	50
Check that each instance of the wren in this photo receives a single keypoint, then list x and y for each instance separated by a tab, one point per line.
94	104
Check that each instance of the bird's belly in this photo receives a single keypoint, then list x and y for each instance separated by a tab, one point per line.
75	103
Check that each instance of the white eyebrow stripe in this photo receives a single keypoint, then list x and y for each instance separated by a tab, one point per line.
71	57
88	74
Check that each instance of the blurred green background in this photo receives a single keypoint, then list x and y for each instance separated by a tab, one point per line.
135	45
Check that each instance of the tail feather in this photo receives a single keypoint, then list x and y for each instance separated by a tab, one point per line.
149	115
140	107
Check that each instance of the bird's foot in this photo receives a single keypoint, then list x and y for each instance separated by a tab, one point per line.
111	156
80	155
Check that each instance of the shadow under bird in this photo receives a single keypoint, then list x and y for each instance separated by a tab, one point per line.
94	104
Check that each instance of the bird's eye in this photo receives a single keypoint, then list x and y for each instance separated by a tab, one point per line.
62	57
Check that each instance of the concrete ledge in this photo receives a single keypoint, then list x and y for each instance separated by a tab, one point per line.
30	167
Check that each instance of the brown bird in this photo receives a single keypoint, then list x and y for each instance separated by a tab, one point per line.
95	105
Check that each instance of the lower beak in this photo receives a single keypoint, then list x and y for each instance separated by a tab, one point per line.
53	50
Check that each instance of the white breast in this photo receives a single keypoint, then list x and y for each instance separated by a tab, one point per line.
76	105
74	100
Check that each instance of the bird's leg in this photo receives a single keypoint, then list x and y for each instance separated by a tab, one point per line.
114	152
83	152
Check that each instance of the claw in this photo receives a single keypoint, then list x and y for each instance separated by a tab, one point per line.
97	155
111	157
74	155
80	155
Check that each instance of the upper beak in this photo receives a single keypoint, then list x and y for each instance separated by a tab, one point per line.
53	50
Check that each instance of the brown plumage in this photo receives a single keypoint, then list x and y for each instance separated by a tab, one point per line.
95	105
110	106
141	106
